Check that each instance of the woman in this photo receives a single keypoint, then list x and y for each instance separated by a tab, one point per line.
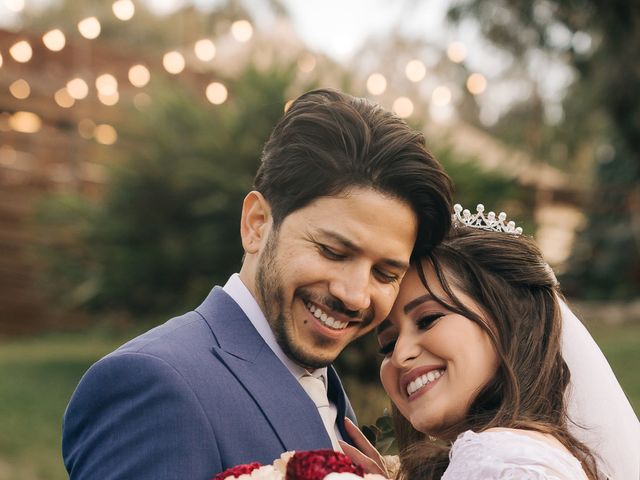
472	362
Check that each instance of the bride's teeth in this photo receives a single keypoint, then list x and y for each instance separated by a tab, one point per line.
317	313
312	308
423	380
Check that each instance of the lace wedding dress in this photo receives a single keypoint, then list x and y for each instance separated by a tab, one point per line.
505	455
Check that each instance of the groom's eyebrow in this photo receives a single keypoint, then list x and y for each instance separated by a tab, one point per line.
349	245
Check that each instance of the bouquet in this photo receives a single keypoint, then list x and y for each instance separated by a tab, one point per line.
309	465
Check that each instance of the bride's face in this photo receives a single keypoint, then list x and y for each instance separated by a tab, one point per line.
436	361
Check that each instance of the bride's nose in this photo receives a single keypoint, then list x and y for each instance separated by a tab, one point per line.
405	350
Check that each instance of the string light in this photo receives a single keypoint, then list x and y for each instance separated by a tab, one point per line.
139	75
106	84
403	107
441	96
307	63
216	93
105	134
476	83
109	99
376	84
21	51
63	98
457	52
89	28
20	89
173	62
205	50
54	40
78	88
242	30
123	9
25	122
415	70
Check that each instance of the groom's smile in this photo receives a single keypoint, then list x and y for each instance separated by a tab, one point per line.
326	319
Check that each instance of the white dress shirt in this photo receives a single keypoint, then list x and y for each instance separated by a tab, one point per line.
243	297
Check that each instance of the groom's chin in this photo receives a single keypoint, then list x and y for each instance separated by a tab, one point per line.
310	360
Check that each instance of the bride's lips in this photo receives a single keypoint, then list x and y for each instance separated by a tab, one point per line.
420	380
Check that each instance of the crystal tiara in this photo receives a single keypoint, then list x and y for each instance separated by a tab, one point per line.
482	222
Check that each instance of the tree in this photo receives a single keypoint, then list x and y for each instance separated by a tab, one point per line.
601	109
167	227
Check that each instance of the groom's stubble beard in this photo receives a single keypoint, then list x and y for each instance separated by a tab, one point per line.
271	298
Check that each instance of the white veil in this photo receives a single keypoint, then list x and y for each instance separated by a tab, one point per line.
597	403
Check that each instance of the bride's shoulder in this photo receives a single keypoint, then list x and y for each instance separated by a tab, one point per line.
498	452
506	440
542	437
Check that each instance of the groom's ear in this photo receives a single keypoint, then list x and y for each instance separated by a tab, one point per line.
256	222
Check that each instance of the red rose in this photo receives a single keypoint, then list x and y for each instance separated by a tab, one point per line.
237	471
317	464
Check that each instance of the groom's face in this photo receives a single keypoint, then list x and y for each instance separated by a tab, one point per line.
332	270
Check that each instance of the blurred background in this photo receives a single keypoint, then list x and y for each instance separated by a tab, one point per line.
130	131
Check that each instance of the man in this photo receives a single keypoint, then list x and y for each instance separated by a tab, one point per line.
343	192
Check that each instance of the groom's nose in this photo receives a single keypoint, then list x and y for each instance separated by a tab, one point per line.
352	286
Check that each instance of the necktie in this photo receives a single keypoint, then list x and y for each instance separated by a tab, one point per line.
318	393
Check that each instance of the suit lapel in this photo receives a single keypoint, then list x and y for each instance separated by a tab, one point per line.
339	398
291	413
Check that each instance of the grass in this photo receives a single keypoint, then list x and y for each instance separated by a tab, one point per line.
38	375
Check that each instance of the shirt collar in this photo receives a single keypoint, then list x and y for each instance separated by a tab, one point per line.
239	292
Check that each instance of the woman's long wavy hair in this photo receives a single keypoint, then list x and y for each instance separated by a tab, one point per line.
508	278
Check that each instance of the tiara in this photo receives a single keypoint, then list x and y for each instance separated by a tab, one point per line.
482	222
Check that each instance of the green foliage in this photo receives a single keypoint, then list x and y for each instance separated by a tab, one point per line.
601	111
382	435
474	185
168	227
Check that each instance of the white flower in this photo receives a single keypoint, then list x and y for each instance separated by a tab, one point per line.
281	464
266	472
343	476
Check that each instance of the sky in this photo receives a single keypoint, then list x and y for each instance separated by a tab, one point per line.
340	28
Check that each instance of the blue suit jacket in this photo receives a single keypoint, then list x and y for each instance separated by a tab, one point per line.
188	399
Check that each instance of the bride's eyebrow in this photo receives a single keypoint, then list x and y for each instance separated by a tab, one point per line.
417	301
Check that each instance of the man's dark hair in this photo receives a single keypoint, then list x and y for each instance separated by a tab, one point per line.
328	143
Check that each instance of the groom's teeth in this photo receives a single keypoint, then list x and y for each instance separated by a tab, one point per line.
423	380
326	319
